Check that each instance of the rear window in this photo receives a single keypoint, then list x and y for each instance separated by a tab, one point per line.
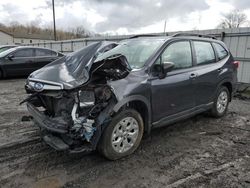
204	52
221	51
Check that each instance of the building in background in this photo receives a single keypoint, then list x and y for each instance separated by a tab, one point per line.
23	38
6	38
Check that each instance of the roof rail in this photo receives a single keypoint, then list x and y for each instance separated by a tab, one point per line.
193	35
144	35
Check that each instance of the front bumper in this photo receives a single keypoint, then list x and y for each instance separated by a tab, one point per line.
46	122
56	133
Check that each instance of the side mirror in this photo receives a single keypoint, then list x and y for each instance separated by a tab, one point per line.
167	66
10	57
161	70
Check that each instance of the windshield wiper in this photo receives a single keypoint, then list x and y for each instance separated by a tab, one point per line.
114	56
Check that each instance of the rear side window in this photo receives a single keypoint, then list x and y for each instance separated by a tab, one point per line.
44	52
179	53
204	53
221	51
24	53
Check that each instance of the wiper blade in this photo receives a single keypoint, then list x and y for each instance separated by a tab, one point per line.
114	56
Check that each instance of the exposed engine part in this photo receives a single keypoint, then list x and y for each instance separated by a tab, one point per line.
112	69
86	96
73	113
93	113
84	127
102	93
88	129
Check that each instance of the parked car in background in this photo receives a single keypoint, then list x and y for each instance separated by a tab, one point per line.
107	99
22	60
6	47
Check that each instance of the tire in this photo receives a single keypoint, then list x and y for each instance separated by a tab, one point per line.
125	129
221	102
1	74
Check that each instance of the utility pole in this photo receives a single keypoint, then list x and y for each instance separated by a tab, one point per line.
164	31
54	21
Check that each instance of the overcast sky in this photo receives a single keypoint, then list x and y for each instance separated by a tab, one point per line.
121	16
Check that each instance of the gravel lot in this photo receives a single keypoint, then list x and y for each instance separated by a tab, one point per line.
199	152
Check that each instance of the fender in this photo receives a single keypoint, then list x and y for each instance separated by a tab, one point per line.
221	82
136	98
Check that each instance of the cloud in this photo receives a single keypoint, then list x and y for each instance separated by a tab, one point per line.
14	13
106	15
133	15
239	4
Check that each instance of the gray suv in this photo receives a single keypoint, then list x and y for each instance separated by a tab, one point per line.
107	95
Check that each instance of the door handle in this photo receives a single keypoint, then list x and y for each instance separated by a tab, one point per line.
193	75
219	69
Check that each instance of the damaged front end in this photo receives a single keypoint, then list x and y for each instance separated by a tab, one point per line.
73	114
72	120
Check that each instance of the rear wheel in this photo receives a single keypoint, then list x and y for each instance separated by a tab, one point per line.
122	136
221	102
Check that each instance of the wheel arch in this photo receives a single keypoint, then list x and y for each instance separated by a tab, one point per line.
229	85
140	104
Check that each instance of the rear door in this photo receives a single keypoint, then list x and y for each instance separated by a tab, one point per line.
20	63
175	92
43	57
207	72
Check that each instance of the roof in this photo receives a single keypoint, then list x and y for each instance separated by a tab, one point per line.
5	32
31	47
162	37
29	35
33	36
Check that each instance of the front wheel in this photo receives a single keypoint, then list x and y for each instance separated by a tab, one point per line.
221	102
122	136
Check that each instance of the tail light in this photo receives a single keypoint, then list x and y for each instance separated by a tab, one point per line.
236	64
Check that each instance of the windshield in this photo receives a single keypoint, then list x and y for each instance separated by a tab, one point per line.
6	52
5	48
136	51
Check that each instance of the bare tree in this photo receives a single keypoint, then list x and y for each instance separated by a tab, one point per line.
31	28
234	19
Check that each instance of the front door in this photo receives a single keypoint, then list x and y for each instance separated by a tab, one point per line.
20	63
175	92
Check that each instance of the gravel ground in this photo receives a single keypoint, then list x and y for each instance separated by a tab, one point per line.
198	152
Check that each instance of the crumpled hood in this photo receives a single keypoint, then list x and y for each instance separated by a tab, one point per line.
59	73
71	70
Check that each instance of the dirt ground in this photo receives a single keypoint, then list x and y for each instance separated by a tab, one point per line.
199	152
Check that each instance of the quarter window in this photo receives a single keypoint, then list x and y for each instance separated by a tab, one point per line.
178	53
204	53
221	51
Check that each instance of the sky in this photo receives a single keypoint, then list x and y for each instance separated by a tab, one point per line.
121	16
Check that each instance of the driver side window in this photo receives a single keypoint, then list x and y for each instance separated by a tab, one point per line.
23	53
178	53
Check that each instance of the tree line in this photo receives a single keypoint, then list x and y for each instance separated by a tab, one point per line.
71	33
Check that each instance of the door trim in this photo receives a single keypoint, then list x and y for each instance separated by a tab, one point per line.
182	115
